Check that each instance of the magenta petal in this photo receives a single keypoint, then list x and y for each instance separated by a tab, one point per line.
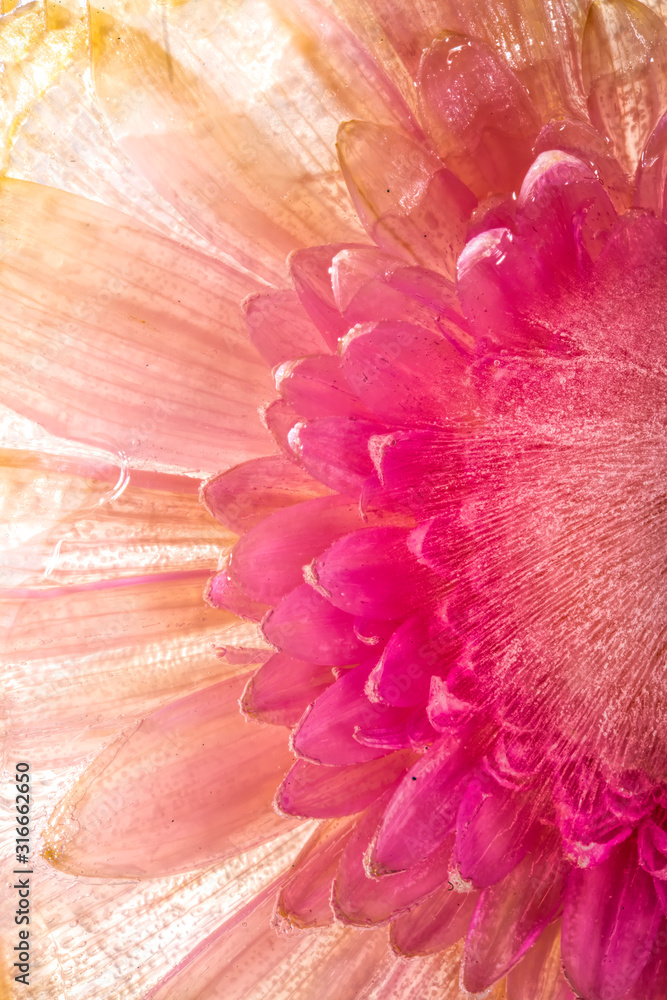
326	792
652	981
279	418
316	387
510	916
268	561
652	848
305	624
486	138
422	810
282	689
610	919
336	451
373	573
404	373
419	648
326	733
435	924
305	899
495	828
280	328
364	901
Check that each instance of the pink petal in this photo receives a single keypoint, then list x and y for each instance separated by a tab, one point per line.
499	274
404	373
561	196
419	648
305	899
495	828
359	899
623	60
310	270
316	387
434	925
327	792
305	624
539	975
268	561
351	271
373	573
282	689
279	418
405	198
335	451
279	327
325	735
151	360
585	142
245	495
422	810
610	919
479	116
224	593
174	795
510	916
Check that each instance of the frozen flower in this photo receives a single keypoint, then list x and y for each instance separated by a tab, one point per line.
440	597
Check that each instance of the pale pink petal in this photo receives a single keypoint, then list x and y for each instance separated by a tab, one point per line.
539	974
305	899
316	387
479	116
282	689
585	142
245	495
336	451
279	327
174	795
434	925
242	184
624	59
405	198
327	792
107	655
404	373
651	176
310	271
246	955
142	351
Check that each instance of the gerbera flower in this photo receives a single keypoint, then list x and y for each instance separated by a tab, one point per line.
440	589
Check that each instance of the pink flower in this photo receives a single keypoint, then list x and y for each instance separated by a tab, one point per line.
442	578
